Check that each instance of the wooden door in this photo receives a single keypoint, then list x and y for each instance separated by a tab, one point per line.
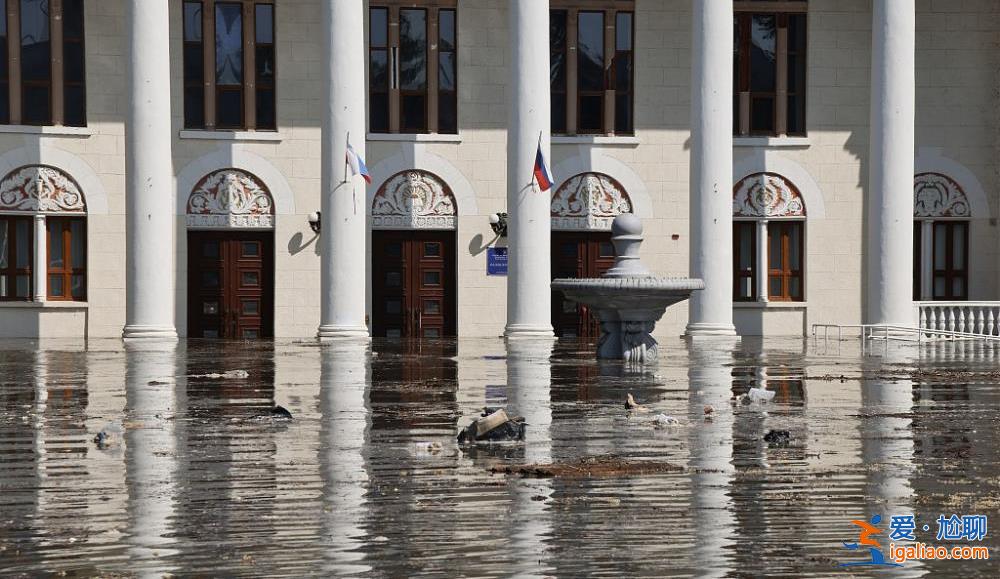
577	255
413	285
230	285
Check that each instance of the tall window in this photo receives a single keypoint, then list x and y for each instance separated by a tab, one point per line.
42	63
592	74
769	68
768	240
229	65
67	259
413	66
15	258
942	214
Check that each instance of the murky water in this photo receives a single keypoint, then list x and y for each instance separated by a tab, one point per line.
367	479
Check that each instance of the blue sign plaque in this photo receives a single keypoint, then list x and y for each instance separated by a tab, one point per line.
496	261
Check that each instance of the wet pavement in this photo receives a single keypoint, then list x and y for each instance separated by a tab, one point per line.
197	478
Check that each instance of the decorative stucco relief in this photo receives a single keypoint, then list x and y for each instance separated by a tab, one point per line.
935	195
414	200
588	201
229	199
39	188
767	195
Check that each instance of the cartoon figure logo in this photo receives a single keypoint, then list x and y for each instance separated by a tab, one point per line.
874	549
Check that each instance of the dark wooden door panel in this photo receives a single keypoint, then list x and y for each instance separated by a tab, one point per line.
578	255
230	285
413	289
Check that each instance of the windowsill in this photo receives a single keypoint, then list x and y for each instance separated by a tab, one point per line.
770	305
594	140
415	137
777	142
250	136
48	305
54	130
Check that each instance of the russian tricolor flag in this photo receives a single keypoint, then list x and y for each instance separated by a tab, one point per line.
357	164
542	174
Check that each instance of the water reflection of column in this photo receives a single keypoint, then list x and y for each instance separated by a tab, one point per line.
529	384
344	379
711	448
150	455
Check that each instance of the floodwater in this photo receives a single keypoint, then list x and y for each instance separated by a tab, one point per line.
197	479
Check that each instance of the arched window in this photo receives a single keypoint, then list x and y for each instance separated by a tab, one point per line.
768	240
43	236
941	214
414	199
588	202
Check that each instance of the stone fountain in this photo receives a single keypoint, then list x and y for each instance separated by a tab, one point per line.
628	300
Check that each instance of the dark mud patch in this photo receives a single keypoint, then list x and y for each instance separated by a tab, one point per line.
590	467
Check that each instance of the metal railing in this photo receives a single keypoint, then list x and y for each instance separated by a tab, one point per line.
901	333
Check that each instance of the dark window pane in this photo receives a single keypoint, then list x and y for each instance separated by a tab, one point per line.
774	286
590	50
763	41
264	23
413	116
210	279
73	19
762	115
796	115
378	121
74	106
559	113
446	71
446	27
56	258
793	72
378	27
265	64
194	107
251	307
22	286
210	249
591	114
448	114
413	49
192	21
194	64
22	233
432	250
623	71
4	103
557	71
432	278
774	234
378	69
229	109
5	244
78	239
623	114
4	58
557	29
35	43
56	286
73	70
266	109
623	31
36	106
797	32
249	279
228	44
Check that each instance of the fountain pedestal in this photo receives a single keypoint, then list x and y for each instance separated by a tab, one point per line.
628	300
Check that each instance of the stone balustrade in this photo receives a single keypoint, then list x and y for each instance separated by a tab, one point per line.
970	317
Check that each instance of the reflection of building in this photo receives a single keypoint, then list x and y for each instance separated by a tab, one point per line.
186	149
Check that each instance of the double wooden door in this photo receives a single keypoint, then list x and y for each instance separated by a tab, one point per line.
577	255
413	284
230	284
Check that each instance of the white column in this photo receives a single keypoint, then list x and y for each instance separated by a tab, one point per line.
529	310
927	260
711	310
343	273
149	190
890	190
762	265
41	267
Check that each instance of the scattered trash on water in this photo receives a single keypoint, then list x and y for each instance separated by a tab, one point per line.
493	426
632	406
229	375
158	383
778	437
590	467
427	448
110	436
760	395
664	420
708	409
280	413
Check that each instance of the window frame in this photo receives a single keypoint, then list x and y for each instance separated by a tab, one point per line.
572	93
249	84
927	264
738	272
786	273
394	93
743	13
56	83
65	223
12	272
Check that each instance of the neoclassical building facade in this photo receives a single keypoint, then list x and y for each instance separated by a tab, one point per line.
178	168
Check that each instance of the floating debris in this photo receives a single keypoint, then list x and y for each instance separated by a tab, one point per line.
280	413
778	437
632	406
110	436
229	375
664	420
708	410
590	467
493	426
760	395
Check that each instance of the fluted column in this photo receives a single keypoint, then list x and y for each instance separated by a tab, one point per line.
149	178
890	189
711	310
529	310
342	242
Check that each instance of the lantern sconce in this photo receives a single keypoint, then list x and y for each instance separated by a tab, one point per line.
498	223
315	221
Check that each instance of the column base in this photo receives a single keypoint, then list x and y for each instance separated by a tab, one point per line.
334	332
518	331
710	330
148	332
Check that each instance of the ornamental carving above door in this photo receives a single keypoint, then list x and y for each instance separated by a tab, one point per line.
767	195
935	195
588	202
414	199
230	199
40	188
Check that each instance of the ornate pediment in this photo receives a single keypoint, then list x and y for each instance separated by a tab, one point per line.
414	200
230	198
38	188
935	195
588	201
766	195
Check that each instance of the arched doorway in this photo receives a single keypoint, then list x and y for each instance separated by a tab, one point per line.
230	222
414	216
582	210
942	215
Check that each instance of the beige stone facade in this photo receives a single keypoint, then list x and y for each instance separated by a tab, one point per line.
956	135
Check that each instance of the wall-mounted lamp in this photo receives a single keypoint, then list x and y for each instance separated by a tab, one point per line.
315	221
498	223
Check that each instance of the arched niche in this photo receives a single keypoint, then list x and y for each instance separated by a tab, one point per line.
588	202
230	199
767	195
414	199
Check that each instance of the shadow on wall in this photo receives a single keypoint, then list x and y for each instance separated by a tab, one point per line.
296	244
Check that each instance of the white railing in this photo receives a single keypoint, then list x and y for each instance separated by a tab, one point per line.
980	318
